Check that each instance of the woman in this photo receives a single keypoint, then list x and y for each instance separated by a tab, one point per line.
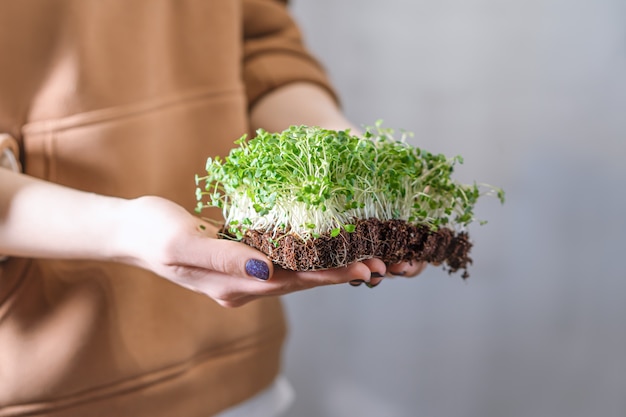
114	107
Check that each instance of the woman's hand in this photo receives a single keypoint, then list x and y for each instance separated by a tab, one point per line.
162	237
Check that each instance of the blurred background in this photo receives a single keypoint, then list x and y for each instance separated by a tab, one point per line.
533	95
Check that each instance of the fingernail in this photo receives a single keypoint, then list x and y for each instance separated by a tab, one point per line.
371	285
356	282
399	274
258	269
377	275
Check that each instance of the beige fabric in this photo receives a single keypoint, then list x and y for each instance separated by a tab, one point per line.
128	98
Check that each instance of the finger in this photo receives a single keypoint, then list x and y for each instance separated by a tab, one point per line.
234	294
407	269
228	260
378	269
415	268
226	257
357	271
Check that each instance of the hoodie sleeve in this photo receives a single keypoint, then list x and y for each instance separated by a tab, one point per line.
274	52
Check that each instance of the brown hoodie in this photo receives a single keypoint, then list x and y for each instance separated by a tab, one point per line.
129	98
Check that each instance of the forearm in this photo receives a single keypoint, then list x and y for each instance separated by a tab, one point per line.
298	104
41	219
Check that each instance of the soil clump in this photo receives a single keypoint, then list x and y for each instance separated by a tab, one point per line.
391	240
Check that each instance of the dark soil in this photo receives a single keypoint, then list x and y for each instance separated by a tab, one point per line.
392	241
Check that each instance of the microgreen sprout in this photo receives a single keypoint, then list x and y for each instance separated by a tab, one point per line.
309	181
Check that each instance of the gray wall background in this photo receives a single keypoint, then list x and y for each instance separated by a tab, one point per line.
533	95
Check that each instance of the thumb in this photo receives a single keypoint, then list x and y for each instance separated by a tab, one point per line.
230	258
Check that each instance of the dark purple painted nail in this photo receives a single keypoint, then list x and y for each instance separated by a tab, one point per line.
377	275
258	269
356	282
372	285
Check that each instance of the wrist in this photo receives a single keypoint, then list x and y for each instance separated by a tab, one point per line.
126	231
